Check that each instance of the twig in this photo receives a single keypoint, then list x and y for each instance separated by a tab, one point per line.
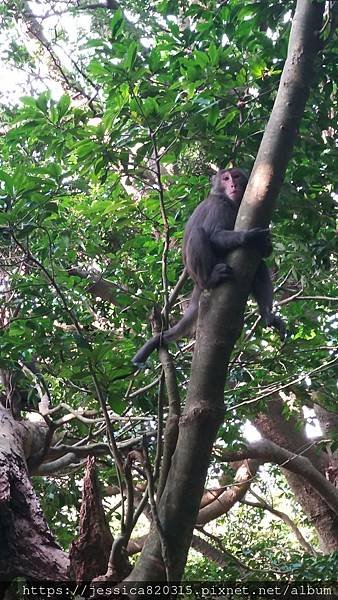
174	294
262	503
166	230
282	387
156	520
171	427
159	444
141	391
242	567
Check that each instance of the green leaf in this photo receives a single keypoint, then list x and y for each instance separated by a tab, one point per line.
232	114
130	58
8	181
42	101
150	107
54	117
194	73
116	22
201	58
96	43
97	68
213	54
28	101
85	148
213	115
154	60
63	105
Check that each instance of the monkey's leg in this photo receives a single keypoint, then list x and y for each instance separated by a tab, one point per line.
202	262
179	330
262	291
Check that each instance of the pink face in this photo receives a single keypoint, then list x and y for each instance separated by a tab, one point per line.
234	183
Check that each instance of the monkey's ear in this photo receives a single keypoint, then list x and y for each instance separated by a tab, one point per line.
214	178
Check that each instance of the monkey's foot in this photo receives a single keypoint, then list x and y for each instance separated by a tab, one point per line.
221	272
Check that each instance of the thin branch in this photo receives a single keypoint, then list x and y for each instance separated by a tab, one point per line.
233	493
160	419
36	30
319	298
171	427
128	525
242	567
262	503
156	519
291	298
275	389
144	389
174	294
166	230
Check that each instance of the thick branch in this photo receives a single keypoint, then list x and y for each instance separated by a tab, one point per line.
280	134
98	287
232	494
267	451
220	557
28	548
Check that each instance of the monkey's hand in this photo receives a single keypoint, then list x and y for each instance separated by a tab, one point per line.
260	239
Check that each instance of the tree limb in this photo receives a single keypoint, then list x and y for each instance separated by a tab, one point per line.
262	503
232	494
267	451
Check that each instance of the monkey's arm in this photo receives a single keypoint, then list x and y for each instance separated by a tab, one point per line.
224	240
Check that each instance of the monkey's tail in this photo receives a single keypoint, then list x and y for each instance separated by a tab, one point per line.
174	333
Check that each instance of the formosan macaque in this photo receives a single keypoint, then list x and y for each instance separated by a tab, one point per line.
208	237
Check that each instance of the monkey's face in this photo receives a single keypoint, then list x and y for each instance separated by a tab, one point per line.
233	182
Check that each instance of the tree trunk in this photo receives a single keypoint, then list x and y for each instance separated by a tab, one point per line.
27	547
221	316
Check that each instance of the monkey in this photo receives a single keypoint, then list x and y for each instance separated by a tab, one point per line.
208	237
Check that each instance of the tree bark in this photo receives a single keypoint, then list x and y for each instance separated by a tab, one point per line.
27	547
328	422
85	562
221	315
232	494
